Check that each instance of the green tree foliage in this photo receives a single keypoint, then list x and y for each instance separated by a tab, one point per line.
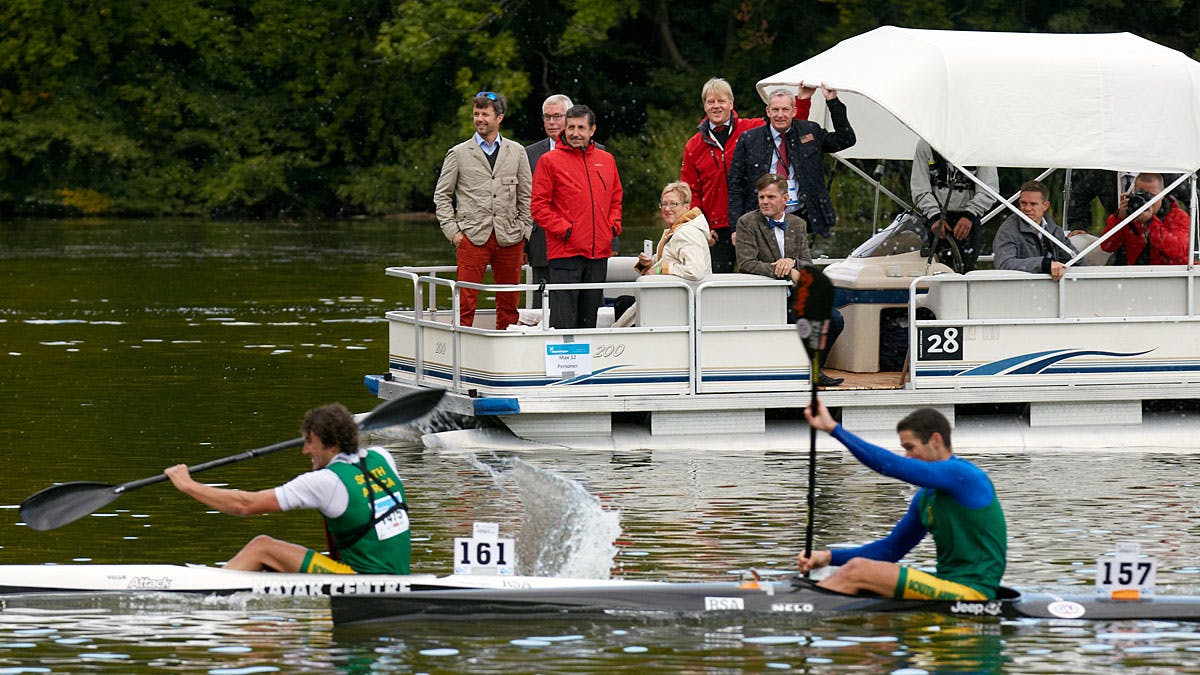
269	107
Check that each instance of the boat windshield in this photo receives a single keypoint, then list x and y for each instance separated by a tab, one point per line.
904	235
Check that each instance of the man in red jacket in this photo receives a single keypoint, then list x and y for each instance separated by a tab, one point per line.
706	159
1157	236
577	201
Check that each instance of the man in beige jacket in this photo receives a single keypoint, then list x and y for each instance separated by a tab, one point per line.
482	201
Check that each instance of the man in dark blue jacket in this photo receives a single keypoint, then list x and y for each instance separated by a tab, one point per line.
795	148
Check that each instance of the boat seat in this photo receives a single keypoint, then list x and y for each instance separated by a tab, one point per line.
620	268
759	301
945	300
666	305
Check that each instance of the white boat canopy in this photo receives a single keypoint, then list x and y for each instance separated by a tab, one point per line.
1100	101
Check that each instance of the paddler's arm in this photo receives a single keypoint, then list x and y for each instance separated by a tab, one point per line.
963	480
233	502
904	536
957	477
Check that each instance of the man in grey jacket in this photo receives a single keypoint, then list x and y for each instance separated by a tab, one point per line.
951	202
1019	246
482	202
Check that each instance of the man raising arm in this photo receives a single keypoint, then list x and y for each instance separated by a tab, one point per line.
957	504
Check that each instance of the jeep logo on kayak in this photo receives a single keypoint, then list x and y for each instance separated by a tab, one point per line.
976	608
719	604
801	607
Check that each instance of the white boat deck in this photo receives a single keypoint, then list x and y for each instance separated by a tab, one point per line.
711	358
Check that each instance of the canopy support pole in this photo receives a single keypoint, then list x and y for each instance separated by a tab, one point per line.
870	179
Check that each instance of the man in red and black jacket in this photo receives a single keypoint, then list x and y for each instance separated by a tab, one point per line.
1159	235
577	201
706	160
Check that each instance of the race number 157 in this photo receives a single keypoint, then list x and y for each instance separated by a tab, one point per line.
940	343
1125	573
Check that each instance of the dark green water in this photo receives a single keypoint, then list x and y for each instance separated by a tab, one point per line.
129	346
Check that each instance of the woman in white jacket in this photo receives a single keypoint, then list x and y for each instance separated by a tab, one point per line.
683	249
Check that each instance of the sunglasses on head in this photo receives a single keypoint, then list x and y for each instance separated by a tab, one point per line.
489	95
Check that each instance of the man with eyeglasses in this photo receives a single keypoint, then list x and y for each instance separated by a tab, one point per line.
554	118
577	200
482	201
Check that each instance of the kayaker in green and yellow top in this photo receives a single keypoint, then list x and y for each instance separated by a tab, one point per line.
357	491
957	504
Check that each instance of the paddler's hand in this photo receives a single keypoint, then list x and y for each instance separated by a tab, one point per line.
818	559
179	475
822	420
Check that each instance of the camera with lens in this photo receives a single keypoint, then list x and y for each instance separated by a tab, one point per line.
1137	199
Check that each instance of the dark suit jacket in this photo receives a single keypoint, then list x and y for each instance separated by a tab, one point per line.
536	248
537	239
757	249
807	143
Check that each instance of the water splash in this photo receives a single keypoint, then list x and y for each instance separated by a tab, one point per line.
412	433
565	530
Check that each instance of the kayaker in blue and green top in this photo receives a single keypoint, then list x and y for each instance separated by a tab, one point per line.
357	491
957	504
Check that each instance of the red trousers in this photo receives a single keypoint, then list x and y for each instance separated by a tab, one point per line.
506	269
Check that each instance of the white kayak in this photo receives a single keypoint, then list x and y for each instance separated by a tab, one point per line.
29	579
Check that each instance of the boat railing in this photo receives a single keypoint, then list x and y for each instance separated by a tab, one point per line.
1084	295
666	305
413	273
426	316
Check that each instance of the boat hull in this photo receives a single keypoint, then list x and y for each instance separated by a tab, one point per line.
367	598
792	599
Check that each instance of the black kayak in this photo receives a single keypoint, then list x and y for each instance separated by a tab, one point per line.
798	597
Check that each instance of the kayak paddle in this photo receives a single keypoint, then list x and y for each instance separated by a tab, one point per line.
814	307
58	505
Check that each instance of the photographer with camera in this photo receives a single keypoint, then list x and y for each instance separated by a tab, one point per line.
951	202
1158	235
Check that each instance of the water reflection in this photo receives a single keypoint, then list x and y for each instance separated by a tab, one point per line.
126	347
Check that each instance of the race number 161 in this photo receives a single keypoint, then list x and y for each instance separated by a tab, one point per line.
484	553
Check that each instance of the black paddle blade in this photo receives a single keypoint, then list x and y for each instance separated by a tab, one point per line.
58	505
61	504
814	306
402	409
